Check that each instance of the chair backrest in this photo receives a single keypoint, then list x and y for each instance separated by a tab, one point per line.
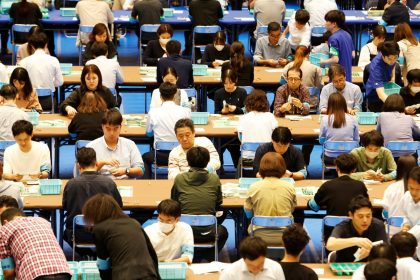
400	148
146	28
79	222
395	221
332	221
165	145
85	28
273	222
340	146
80	144
318	31
250	146
191	92
248	89
206	29
390	29
22	28
262	31
199	220
3	145
314	93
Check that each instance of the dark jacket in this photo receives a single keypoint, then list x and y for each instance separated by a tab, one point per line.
75	98
182	66
211	54
152	53
396	13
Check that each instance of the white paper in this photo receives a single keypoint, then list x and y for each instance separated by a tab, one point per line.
371	182
318	271
125	191
274	70
148	79
353	17
245	18
202	268
178	11
199	129
297	118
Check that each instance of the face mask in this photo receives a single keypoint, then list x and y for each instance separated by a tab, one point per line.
165	228
371	154
415	89
219	47
164	41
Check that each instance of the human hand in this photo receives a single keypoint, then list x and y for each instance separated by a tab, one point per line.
35	176
410	110
231	108
379	177
225	110
351	111
405	227
369	175
273	63
282	61
117	172
18	177
71	112
296	102
364	253
112	162
364	243
286	107
216	64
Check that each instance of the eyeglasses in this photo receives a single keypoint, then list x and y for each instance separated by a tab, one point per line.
293	79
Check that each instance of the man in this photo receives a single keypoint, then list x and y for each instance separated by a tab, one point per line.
410	204
295	240
272	50
281	139
9	112
253	263
267	11
405	245
172	240
351	92
147	12
7	201
117	157
27	159
358	232
30	244
185	133
380	269
79	189
182	66
410	93
395	13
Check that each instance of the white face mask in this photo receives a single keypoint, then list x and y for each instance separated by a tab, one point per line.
164	41
165	228
415	89
371	155
219	47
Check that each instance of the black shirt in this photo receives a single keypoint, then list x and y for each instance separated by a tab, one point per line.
205	12
396	13
296	271
410	99
245	75
182	67
211	54
87	126
237	98
87	55
152	53
147	11
75	98
29	15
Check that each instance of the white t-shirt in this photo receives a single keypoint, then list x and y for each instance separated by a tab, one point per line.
157	101
298	37
257	126
4	78
392	198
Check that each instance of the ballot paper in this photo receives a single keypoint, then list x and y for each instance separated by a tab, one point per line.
203	268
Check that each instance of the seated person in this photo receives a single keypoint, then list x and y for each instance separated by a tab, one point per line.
9	113
7	201
253	263
27	159
239	63
200	193
156	49
370	50
405	245
410	203
323	47
147	12
217	53
295	238
117	157
172	239
99	34
25	49
395	13
272	196
351	92
185	133
272	50
281	139
380	269
299	29
374	161
410	92
26	97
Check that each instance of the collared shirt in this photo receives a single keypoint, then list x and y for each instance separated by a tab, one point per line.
32	244
311	74
351	93
341	45
44	70
284	93
8	115
318	9
264	50
238	270
392	199
181	98
298	37
267	11
379	73
257	126
408	268
178	163
110	70
411	210
126	153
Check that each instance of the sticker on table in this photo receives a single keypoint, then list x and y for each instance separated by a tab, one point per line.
125	191
225	123
178	12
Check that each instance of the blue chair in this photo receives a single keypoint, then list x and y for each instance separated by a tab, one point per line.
402	148
46	92
261	31
395	221
314	93
248	89
162	146
318	31
330	221
79	144
202	29
337	147
390	29
79	221
203	221
3	145
246	149
83	29
18	28
146	28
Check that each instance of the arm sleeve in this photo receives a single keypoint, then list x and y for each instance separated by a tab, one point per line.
159	70
101	252
174	192
206	57
279	100
356	136
136	160
288	51
116	195
323	99
110	15
386	15
306	101
173	167
219	11
214	156
219	200
376	77
306	37
258	155
58	80
45	160
391	167
218	102
358	99
34	102
300	161
148	58
187	249
134	12
109	98
120	75
364	58
258	54
72	100
416	130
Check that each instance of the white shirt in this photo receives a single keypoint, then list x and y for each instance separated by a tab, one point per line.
257	126
408	269
179	243
392	198
359	273
32	162
157	101
238	270
9	114
178	163
267	11
44	70
365	52
161	121
110	70
298	37
4	78
318	9
410	209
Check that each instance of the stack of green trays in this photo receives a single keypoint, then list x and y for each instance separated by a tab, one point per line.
343	269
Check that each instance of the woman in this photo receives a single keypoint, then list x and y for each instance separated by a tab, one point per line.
24	12
156	49
410	93
181	97
99	34
217	53
123	249
241	65
271	197
91	80
87	123
409	47
370	50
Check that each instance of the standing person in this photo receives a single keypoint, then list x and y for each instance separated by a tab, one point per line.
370	50
156	48
409	47
9	113
318	9
147	12
217	53
99	34
240	64
299	29
410	93
24	12
395	13
26	97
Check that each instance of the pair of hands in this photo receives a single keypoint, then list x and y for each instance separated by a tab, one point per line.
275	63
288	106
410	110
365	246
71	112
228	109
372	175
116	170
19	177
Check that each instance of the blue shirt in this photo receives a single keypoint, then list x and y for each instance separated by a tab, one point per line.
351	93
341	45
379	73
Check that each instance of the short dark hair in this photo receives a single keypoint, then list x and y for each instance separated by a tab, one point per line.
327	34
346	163
415	174
8	202
336	70
8	92
405	244
389	48
336	16
22	126
394	103
38	40
413	76
167	91
10	213
384	251
282	135
295	239
302	16
184	123
198	157
380	269
372	137
101	207
229	74
295	69
359	202
112	117
252	248
272	164
173	47
273	26
170	208
99	48
86	157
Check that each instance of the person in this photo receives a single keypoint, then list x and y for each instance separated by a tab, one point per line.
9	190
182	66
394	125
27	159
370	50
200	193
272	50
318	9
374	161
281	139
351	92
266	11
405	245
299	29
323	46
395	13
253	263
117	157
3	73
380	269
156	49
185	133
91	80
86	124
410	203
409	47
24	12
409	92
123	249
30	244
172	239
25	49
8	201
340	43
79	189
99	34
160	123
147	12
358	232
240	64
381	70
293	97
9	112
295	238
110	68
271	197
217	53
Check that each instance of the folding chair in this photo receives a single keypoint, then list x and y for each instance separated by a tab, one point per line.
202	29
79	221
192	98
261	31
246	150
3	145
146	28
18	28
402	148
248	89
338	147
203	221
83	29
330	221
395	221
318	31
46	93
79	144
162	146
314	93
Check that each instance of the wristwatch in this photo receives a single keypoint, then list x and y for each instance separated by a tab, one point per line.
127	171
